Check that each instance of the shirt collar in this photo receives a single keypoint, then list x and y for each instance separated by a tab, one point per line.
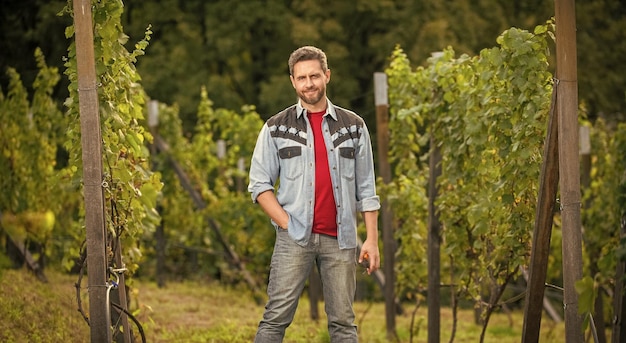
330	109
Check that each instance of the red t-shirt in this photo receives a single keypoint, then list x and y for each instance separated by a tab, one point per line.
325	211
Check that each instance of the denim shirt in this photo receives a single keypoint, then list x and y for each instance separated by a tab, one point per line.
284	155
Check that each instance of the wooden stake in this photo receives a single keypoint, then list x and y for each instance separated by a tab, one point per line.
91	141
434	243
389	243
120	295
619	310
569	173
434	240
544	215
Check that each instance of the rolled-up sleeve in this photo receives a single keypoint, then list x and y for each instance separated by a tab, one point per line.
264	166
366	197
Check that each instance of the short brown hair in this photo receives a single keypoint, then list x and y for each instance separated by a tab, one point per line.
307	53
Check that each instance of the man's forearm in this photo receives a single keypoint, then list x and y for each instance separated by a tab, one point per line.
371	225
268	202
369	250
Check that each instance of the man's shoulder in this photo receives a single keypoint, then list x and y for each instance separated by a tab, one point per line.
286	115
348	116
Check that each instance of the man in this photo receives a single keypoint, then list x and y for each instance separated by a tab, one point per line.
322	155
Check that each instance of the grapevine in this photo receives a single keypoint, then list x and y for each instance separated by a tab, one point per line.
486	114
30	134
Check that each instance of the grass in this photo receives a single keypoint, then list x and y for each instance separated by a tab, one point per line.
32	311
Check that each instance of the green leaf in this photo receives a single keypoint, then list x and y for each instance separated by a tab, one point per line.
585	288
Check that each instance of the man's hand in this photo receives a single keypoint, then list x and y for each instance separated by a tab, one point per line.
370	256
272	208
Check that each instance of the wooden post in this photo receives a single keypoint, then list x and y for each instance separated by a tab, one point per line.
540	250
221	155
159	234
153	115
434	242
619	310
569	173
120	294
584	133
91	141
389	243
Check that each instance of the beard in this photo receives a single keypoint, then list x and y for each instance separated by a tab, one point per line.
312	98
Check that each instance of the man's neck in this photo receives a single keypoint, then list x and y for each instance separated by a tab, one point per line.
320	106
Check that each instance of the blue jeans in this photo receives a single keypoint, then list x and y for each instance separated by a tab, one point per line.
290	268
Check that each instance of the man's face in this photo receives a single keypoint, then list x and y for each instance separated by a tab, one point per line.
309	81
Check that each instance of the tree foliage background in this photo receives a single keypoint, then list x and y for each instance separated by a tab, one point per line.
238	49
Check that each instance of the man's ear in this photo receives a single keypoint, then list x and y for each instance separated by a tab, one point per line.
293	84
327	76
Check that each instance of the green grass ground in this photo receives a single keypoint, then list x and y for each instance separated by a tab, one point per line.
31	311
